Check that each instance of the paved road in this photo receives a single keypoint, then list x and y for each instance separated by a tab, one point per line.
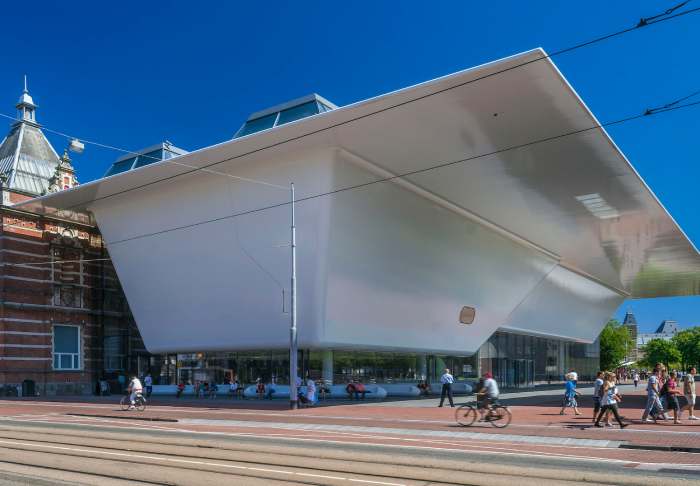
78	451
84	440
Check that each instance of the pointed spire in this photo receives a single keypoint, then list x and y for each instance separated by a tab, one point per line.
26	107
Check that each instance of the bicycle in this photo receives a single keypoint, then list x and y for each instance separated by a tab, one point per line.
8	391
140	402
499	415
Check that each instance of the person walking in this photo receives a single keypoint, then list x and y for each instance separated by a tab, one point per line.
610	399
671	398
636	379
597	398
574	377
311	390
570	395
689	392
148	382
447	381
653	393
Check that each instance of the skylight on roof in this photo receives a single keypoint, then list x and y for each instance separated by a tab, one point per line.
597	205
285	113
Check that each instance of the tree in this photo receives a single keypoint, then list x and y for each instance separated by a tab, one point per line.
615	341
687	342
659	350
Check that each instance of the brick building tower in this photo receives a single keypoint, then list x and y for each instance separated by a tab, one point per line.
64	320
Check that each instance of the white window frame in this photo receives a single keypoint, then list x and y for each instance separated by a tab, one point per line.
76	356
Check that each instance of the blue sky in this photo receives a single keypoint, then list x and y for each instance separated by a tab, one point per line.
132	74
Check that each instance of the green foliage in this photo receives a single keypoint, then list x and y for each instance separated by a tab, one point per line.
661	351
615	340
688	344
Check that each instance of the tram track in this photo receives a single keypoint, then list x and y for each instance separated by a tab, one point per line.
64	447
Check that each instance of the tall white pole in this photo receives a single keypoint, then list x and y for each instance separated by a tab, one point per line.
293	332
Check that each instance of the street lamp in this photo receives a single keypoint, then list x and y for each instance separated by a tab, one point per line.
293	332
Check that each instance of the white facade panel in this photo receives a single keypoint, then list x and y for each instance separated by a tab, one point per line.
390	265
566	305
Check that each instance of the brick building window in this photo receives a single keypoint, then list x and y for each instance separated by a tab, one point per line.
66	347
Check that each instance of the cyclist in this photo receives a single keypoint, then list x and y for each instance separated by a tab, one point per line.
135	388
490	392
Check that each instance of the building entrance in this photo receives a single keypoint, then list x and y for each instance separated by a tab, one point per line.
516	373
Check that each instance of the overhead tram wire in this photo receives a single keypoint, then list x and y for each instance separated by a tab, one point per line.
657	110
367	115
406	174
57	262
150	157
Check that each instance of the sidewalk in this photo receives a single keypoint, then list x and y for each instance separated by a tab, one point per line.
536	417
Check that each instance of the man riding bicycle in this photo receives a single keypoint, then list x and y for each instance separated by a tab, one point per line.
135	388
490	392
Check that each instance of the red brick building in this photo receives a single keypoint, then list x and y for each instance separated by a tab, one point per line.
64	320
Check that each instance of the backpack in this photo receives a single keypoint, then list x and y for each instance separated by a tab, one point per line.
662	390
601	390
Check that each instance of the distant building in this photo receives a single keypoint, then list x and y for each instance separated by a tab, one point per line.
631	323
666	331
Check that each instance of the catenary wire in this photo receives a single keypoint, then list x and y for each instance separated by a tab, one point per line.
151	157
651	112
373	113
399	176
57	262
235	226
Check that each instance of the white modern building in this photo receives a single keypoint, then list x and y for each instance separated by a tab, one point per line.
492	189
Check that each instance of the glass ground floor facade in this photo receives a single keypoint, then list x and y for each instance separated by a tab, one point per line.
515	360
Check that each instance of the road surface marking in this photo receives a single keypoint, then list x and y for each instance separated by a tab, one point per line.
201	463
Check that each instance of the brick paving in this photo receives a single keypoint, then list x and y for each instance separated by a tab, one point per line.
541	420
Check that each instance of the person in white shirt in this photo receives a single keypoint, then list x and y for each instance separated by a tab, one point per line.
491	393
233	388
310	390
447	381
636	379
135	388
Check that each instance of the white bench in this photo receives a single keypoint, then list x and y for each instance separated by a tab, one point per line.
337	392
401	391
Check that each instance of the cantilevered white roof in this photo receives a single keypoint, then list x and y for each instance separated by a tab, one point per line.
576	198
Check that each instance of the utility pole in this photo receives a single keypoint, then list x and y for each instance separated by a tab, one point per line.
293	331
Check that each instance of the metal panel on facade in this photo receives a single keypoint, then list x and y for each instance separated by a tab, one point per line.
390	265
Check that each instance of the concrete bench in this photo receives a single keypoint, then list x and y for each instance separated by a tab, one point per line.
401	391
458	389
171	390
337	392
372	392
